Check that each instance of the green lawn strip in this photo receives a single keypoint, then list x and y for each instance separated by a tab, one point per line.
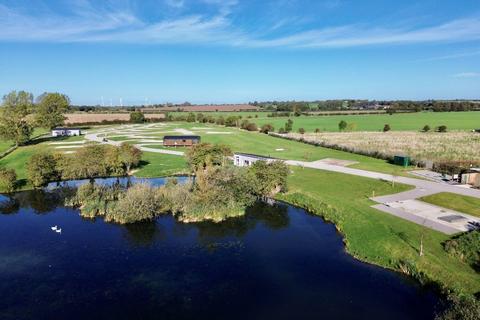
374	236
375	122
465	204
161	165
262	144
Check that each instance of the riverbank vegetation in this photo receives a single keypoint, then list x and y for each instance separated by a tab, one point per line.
90	161
217	193
376	237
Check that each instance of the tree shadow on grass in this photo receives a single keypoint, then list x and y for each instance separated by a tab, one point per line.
403	236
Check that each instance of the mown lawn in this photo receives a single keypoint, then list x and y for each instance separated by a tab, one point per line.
375	122
456	202
262	144
374	236
161	165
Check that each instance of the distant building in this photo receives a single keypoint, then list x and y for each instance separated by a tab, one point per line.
66	132
247	159
180	141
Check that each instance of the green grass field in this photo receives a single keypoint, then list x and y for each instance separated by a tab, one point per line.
456	202
377	237
5	145
397	122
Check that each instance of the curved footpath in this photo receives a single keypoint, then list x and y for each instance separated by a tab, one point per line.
94	137
403	204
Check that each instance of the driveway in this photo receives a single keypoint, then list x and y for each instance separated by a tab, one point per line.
405	205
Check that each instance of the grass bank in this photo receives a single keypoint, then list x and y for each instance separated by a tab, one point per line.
374	236
456	202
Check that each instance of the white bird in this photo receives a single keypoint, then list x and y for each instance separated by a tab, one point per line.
54	228
59	230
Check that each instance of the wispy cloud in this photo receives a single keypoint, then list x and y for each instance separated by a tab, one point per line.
89	23
467	75
453	56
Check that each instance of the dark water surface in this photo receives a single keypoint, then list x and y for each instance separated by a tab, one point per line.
278	262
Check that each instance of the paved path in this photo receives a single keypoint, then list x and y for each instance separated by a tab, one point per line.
404	205
94	137
393	204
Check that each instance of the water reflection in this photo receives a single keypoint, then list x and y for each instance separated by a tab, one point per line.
276	262
143	234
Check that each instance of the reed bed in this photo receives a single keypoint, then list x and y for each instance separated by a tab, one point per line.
420	146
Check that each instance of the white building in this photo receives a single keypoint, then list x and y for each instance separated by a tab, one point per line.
62	132
247	159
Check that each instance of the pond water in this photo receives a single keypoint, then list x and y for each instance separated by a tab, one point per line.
277	262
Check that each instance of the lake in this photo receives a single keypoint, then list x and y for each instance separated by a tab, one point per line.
277	262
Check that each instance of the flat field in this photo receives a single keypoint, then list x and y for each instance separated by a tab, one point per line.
432	146
375	122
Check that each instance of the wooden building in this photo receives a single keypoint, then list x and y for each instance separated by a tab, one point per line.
180	141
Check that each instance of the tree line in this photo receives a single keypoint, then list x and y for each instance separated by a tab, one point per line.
20	114
218	191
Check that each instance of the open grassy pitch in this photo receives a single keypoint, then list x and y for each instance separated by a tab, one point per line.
375	122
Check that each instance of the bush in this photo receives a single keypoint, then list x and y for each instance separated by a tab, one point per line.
466	247
140	202
386	128
442	128
464	308
251	127
266	128
42	169
8	180
220	121
342	125
317	130
137	117
301	131
426	128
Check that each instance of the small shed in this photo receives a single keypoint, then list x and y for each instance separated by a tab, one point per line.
66	132
471	177
247	159
180	141
403	161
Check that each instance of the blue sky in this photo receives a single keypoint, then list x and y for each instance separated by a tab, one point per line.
215	51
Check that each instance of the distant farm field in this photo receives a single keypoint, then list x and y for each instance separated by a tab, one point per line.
375	122
421	146
74	118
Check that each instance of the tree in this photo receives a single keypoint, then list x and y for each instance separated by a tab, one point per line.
220	121
231	121
442	128
289	125
266	128
129	156
8	180
191	117
42	169
426	128
14	125
301	131
203	155
50	110
137	117
386	128
270	177
342	125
